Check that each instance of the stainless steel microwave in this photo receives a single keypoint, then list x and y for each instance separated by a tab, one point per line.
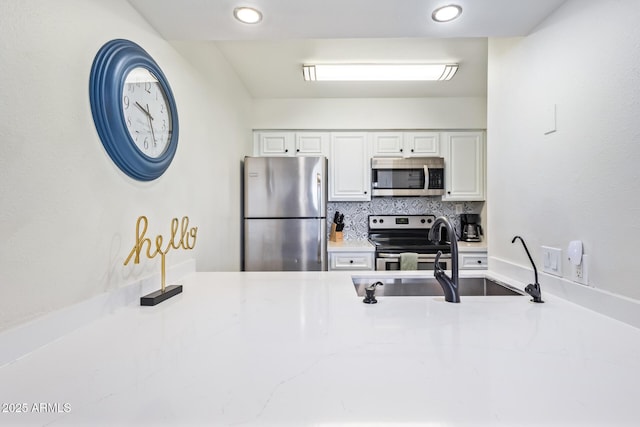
407	176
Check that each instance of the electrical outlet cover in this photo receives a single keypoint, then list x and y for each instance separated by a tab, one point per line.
580	273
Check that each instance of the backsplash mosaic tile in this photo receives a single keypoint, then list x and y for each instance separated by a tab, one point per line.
356	214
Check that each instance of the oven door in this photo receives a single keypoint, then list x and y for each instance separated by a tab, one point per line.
391	262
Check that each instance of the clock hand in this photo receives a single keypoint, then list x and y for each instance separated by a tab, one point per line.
151	126
152	134
145	111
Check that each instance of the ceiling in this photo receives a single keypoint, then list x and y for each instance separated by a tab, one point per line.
268	56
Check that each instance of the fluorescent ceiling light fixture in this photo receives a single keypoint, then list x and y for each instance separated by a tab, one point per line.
446	13
247	15
378	72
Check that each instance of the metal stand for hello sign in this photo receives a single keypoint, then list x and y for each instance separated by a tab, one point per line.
182	237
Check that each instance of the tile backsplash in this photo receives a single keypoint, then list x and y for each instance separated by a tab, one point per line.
356	214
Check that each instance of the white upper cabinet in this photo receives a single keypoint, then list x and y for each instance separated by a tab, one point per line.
405	144
291	143
422	144
387	144
349	167
273	143
464	154
350	153
312	143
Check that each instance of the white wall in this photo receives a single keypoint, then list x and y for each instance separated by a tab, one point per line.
68	213
368	113
581	182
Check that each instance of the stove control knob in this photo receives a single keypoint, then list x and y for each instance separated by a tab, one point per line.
423	220
429	220
375	221
381	221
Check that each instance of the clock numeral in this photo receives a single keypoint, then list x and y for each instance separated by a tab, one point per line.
147	87
125	101
146	143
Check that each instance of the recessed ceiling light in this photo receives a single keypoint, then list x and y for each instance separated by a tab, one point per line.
247	15
446	13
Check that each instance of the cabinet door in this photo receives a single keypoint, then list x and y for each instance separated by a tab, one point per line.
472	261
422	144
351	261
274	143
312	143
464	166
387	143
349	168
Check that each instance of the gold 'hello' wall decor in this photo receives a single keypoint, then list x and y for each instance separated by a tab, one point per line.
182	237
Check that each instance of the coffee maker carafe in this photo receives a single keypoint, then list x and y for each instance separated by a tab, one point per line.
471	228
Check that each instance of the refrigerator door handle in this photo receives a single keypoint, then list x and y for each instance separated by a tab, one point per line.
320	237
270	181
319	189
319	197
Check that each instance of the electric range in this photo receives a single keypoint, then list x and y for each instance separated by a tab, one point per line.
393	235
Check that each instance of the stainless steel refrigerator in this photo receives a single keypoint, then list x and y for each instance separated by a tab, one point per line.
285	209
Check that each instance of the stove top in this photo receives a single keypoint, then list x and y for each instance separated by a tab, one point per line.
404	233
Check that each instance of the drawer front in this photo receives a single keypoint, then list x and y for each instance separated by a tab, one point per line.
351	261
473	261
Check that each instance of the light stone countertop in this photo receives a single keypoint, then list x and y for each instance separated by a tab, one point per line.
363	245
472	246
301	349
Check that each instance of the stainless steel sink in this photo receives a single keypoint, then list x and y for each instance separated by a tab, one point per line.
428	286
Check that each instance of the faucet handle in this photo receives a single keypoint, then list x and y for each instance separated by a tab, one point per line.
370	293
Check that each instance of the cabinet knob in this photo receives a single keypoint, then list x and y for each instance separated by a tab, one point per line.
297	150
365	192
401	150
479	261
448	192
286	150
350	261
412	150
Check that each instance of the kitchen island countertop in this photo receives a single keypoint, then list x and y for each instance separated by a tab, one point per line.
301	349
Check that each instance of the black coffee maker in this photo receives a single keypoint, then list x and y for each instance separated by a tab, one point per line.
471	228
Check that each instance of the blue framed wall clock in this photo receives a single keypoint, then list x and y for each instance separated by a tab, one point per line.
133	109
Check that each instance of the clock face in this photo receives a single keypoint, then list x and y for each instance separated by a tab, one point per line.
146	112
133	109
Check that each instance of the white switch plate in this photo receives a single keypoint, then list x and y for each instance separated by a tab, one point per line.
552	260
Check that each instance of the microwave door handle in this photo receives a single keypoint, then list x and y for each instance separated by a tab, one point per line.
426	177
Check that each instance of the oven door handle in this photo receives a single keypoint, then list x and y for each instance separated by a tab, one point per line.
421	257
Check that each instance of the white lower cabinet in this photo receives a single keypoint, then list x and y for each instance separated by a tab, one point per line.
472	261
351	261
349	167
